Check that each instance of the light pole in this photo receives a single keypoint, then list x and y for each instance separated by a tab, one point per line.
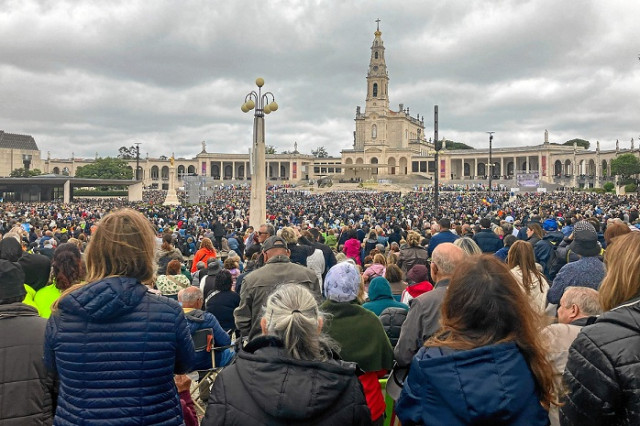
137	160
438	146
259	101
490	159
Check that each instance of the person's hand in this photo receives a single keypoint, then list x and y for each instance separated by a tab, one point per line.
183	382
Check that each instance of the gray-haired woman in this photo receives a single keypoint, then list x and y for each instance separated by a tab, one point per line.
289	375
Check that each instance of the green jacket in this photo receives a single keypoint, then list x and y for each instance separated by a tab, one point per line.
360	334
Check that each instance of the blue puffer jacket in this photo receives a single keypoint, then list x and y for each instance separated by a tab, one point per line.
115	347
488	241
487	385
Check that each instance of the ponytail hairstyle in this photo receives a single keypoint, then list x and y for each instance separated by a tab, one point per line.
167	242
291	313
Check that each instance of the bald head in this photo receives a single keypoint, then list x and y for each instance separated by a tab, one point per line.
444	260
190	297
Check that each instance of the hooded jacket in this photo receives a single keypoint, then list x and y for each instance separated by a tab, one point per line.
26	388
486	385
381	298
115	347
267	387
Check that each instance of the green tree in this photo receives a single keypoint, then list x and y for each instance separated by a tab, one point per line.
127	153
580	142
21	172
609	186
106	168
320	152
451	145
625	166
269	149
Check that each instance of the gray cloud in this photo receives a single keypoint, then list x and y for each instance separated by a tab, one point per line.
85	77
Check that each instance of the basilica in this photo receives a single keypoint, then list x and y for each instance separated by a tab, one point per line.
387	145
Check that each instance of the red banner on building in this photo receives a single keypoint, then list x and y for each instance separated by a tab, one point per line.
544	165
294	170
442	168
204	168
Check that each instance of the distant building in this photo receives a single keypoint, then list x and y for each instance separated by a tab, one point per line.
387	144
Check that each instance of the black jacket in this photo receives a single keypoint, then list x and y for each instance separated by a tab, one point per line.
266	387
392	320
221	305
488	241
603	371
26	388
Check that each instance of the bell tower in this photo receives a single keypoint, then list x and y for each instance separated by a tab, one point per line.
377	77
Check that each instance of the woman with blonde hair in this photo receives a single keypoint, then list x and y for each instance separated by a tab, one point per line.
603	372
468	245
377	268
523	267
487	364
413	254
112	342
290	375
204	253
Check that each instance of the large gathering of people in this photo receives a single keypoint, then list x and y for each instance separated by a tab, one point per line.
340	308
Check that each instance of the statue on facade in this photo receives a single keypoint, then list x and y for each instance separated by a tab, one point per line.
597	145
204	146
632	144
172	160
546	136
617	145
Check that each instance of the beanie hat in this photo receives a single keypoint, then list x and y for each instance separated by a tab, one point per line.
342	282
585	239
11	280
418	274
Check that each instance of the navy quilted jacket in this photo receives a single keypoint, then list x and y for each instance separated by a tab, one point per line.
115	347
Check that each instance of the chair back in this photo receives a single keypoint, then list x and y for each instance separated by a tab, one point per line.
202	339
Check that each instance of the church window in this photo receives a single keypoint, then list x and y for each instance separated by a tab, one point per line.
375	90
374	131
375	55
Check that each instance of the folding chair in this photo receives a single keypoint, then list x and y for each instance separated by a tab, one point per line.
203	341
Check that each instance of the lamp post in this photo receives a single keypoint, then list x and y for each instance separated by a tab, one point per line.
259	101
490	159
137	160
438	146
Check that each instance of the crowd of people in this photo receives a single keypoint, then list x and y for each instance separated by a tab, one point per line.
356	307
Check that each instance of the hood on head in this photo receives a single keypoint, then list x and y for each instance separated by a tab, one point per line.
291	389
106	299
379	288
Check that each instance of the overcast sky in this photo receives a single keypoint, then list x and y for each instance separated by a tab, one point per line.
89	77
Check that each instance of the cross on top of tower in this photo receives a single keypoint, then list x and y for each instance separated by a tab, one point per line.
378	27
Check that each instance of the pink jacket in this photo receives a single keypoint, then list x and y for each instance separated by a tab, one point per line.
352	249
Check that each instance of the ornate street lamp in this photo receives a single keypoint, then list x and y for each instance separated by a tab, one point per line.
259	101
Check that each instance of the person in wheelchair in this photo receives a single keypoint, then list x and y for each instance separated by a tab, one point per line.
290	375
198	321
